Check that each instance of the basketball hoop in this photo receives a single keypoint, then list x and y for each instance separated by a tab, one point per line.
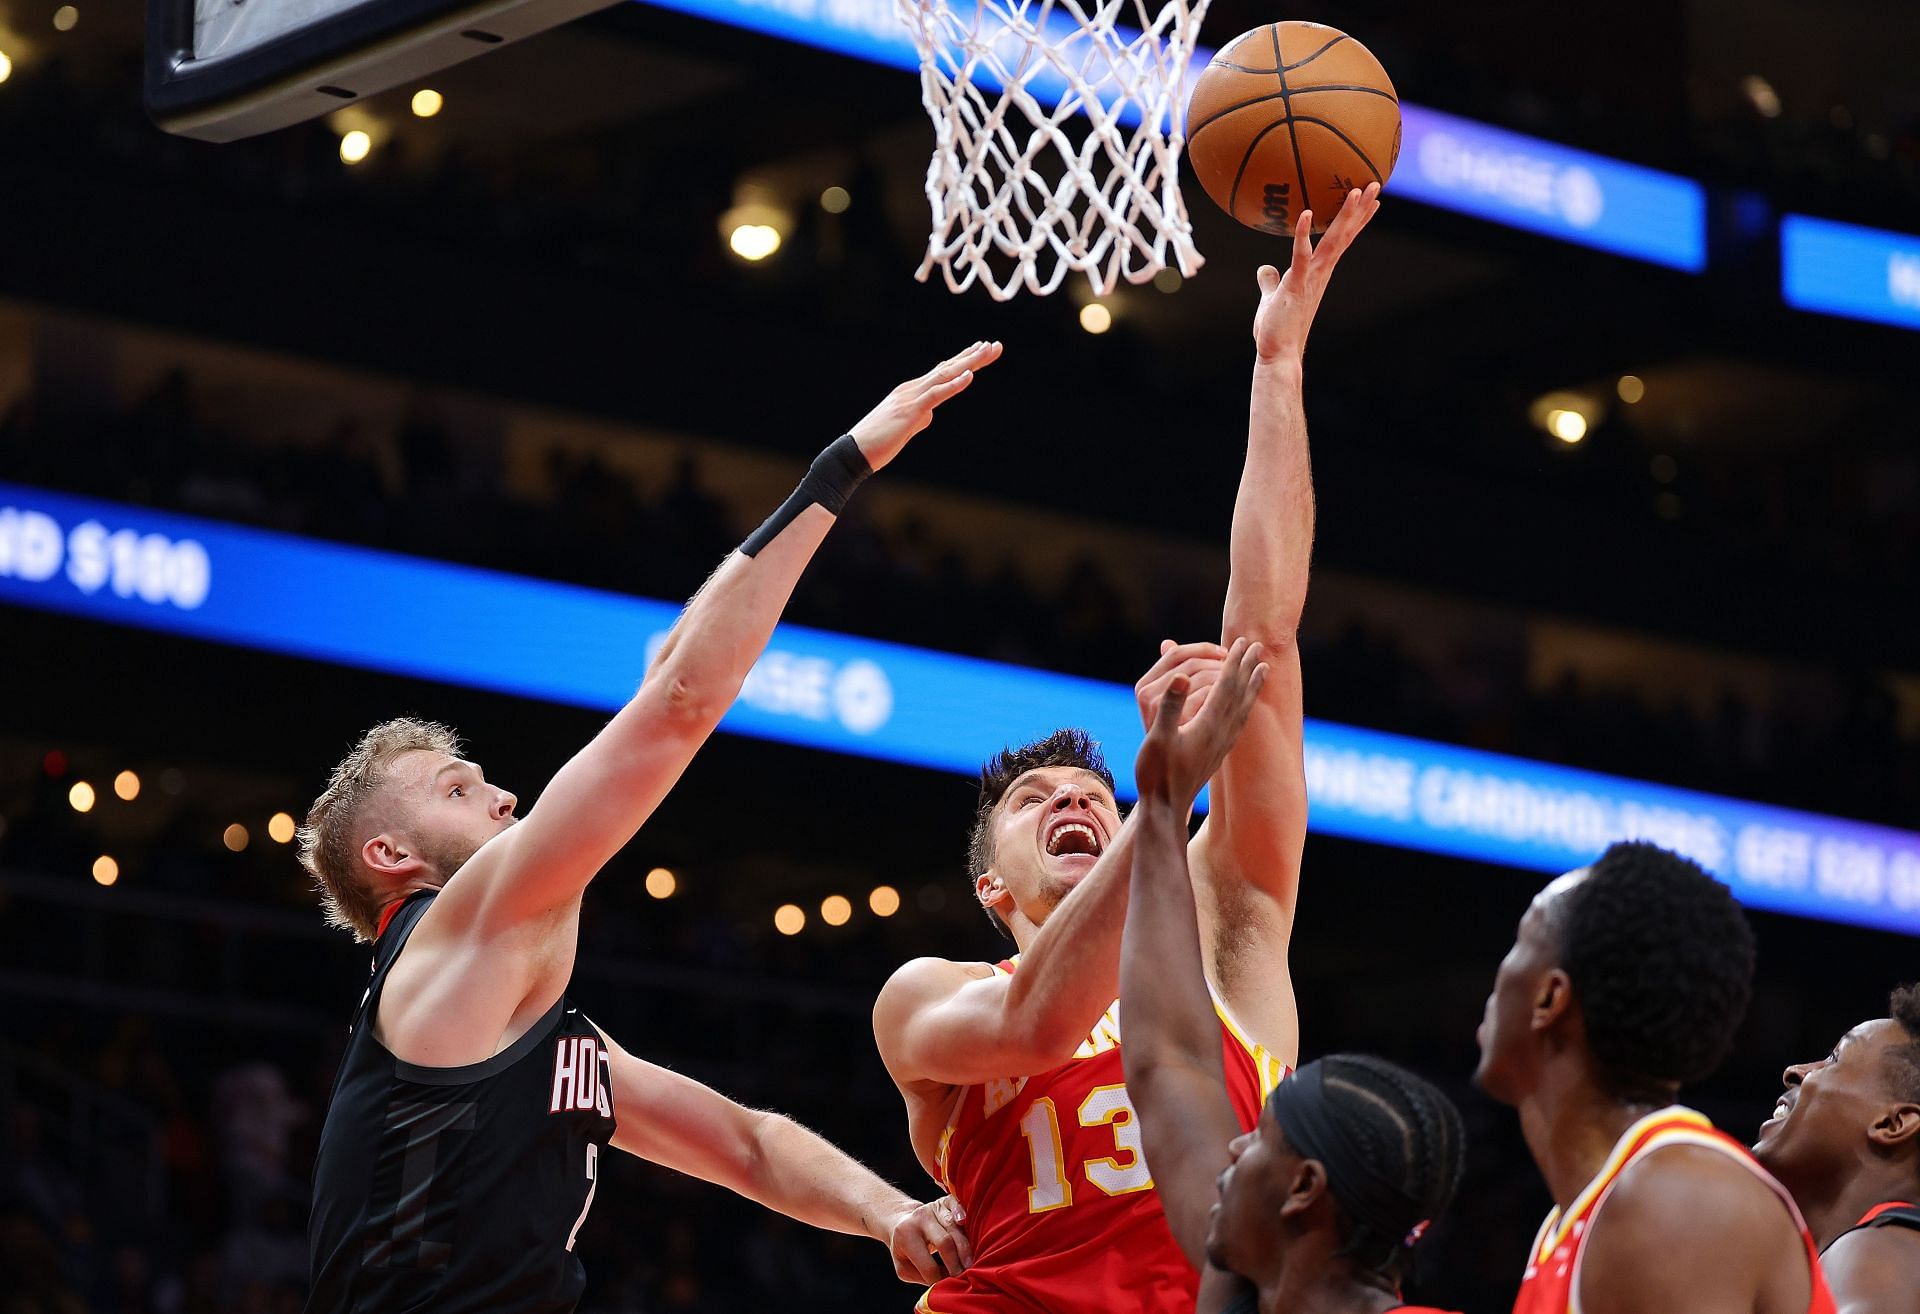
1022	194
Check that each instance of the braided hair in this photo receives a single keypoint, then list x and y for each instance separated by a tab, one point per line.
1393	1146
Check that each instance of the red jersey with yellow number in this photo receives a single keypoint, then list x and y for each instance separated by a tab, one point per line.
1552	1281
1060	1206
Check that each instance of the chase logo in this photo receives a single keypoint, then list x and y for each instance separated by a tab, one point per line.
857	694
1519	179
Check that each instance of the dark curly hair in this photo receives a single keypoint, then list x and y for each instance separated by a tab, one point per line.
1412	1136
1903	1061
1661	960
1062	748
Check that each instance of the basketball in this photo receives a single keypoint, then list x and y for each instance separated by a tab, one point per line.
1291	116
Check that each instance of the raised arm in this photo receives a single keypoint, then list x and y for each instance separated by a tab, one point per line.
1172	1056
1246	859
961	1023
597	801
677	1122
958	1024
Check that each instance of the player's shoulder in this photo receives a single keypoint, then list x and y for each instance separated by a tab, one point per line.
1679	1195
1674	1217
1869	1265
921	980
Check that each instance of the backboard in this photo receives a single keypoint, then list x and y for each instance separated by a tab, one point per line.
220	70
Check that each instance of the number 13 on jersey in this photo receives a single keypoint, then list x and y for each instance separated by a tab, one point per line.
1122	1172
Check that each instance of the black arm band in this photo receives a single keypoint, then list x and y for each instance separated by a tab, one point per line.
829	482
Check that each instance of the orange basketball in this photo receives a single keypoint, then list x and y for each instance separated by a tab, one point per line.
1291	116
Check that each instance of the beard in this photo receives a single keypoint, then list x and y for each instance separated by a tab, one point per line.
446	854
1047	895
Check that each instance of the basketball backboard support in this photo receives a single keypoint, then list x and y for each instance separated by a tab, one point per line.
220	70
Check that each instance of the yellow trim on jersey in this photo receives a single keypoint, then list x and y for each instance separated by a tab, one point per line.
1269	1070
1554	1230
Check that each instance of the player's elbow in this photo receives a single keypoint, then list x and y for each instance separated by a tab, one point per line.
682	697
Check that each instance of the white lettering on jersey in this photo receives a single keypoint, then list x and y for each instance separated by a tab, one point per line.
577	1082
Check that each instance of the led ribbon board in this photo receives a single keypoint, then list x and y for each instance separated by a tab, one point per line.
565	644
1842	269
1452	163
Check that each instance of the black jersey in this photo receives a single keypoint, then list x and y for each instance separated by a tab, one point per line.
457	1190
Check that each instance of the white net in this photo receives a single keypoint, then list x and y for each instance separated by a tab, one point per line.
1024	193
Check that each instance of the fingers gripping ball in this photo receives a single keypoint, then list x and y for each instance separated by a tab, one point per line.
1291	116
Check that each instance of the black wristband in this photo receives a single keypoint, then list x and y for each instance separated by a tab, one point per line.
829	482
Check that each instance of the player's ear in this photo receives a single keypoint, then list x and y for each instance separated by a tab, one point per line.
990	890
1897	1128
1307	1189
1553	999
388	855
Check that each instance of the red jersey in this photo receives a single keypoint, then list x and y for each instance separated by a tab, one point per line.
1060	1206
1552	1281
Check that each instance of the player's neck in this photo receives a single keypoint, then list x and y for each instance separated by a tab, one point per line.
1835	1205
1323	1292
1571	1125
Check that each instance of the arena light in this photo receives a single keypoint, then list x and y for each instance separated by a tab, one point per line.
789	919
1570	427
80	797
1095	318
756	224
6	66
355	146
836	909
280	828
836	200
661	883
1761	95
1631	389
885	901
754	242
105	870
127	786
235	837
64	18
54	763
1168	280
426	103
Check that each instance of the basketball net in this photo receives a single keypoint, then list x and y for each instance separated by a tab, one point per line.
1022	194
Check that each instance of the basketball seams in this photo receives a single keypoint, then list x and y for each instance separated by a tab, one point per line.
1293	134
1345	86
1350	144
1233	197
1287	68
1193	130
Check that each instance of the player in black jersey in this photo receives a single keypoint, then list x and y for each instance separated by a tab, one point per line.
462	1142
1845	1139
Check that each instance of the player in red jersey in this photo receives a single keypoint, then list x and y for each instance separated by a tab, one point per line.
1845	1139
1014	1092
1626	981
1319	1206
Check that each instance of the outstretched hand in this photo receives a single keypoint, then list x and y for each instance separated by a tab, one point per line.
1288	304
1198	663
1177	759
909	408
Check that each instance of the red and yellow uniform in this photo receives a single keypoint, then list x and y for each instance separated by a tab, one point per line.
1060	1206
1552	1281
